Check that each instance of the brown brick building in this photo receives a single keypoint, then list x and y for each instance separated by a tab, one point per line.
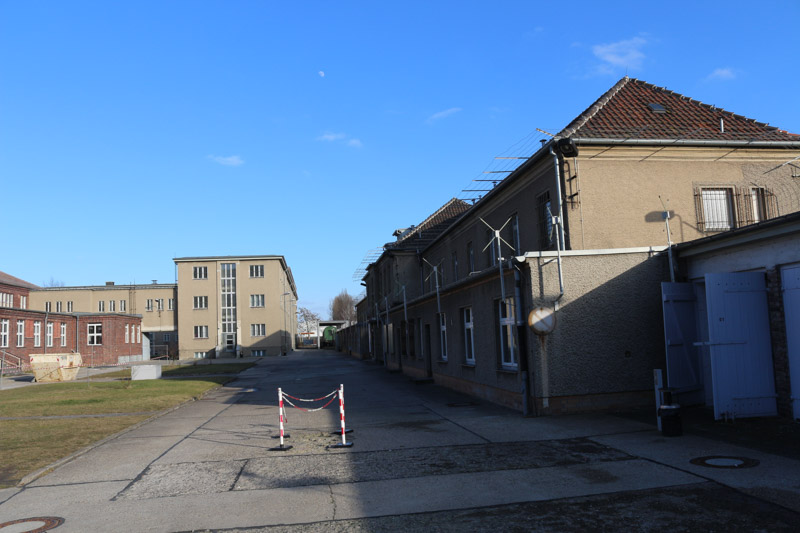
100	338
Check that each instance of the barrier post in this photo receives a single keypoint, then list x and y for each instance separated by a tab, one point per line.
344	443
281	417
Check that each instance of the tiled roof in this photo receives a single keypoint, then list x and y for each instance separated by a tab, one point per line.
623	113
431	227
8	279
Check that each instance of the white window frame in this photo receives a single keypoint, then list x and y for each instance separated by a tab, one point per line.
166	337
159	304
37	334
148	306
69	306
63	332
123	306
4	333
20	333
200	355
138	334
443	336
23	302
48	307
48	334
258	330
258	353
58	307
508	339
469	336
112	306
256	300
719	208
200	272
171	304
200	302
101	306
127	333
94	334
256	271
201	332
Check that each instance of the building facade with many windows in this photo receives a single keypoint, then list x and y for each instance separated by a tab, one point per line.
155	302
100	337
235	306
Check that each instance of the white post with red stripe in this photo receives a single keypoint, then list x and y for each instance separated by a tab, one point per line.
344	443
281	418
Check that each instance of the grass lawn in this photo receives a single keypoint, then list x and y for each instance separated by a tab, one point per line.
27	445
188	370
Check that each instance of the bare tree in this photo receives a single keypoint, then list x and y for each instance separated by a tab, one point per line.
53	282
307	320
343	307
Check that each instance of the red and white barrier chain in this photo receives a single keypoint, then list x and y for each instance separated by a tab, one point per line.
283	397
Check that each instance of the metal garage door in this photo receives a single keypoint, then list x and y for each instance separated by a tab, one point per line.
790	280
739	343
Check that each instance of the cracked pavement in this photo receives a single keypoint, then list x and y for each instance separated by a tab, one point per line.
423	459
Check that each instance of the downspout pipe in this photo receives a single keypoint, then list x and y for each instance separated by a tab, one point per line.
556	166
560	237
522	336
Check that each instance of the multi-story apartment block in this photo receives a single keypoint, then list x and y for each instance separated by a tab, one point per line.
235	306
155	302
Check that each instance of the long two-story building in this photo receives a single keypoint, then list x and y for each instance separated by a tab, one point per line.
573	241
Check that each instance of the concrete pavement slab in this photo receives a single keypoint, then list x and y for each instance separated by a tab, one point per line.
165	426
775	478
411	434
179	479
7	493
458	491
513	428
218	445
117	459
193	512
290	471
698	507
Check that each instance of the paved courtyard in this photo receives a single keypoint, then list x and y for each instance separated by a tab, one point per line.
423	459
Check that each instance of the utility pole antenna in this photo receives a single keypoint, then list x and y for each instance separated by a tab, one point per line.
499	241
666	216
435	274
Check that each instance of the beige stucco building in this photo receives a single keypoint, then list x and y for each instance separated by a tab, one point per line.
235	305
582	233
155	302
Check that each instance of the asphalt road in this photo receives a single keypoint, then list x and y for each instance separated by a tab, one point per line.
423	459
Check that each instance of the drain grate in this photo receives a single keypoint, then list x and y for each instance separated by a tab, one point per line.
462	404
725	461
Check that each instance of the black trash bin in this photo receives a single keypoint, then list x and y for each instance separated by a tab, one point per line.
670	420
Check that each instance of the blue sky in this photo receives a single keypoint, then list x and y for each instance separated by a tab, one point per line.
132	133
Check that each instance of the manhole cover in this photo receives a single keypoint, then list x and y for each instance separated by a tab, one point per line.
724	461
37	524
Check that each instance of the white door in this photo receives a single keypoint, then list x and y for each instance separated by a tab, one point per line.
739	343
790	281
